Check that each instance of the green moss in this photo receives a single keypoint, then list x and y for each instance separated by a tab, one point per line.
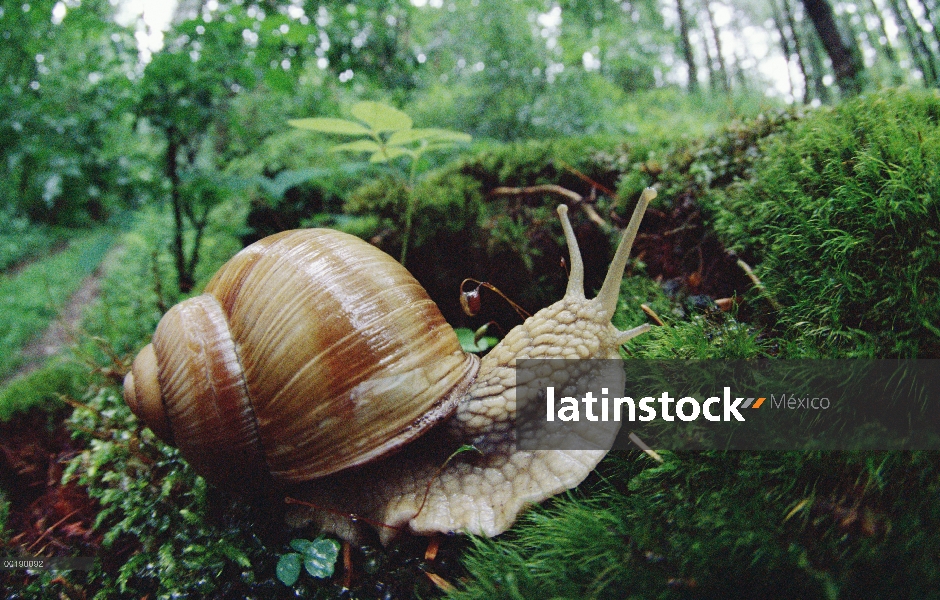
461	229
164	531
843	215
718	525
42	388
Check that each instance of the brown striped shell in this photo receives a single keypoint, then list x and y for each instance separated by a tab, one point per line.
310	352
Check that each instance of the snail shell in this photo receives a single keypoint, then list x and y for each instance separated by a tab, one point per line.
343	358
312	357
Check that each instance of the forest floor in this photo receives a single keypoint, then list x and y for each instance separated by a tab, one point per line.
44	513
62	332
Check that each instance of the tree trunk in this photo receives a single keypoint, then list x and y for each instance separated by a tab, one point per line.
930	14
922	55
785	46
791	23
886	48
184	277
687	52
848	69
722	68
815	51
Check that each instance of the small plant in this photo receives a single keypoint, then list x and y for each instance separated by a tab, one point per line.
387	134
318	557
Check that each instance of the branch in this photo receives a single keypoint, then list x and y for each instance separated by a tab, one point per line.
573	198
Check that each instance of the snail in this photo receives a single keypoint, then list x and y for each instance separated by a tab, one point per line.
315	362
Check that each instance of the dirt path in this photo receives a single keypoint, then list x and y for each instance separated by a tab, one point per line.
62	332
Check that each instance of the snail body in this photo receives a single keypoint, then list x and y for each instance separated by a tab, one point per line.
343	382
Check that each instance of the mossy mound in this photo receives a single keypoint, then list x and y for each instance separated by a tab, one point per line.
843	216
511	240
727	525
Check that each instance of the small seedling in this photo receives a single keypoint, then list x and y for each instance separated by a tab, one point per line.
386	133
318	557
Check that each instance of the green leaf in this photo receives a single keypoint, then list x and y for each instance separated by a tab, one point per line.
400	138
320	557
235	554
381	117
357	146
390	154
301	545
437	146
330	125
465	337
288	568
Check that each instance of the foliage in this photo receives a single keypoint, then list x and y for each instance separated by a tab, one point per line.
514	241
185	93
42	388
398	139
32	297
390	135
474	341
63	85
843	213
317	557
21	240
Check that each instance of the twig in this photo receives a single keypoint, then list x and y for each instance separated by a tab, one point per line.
51	527
467	307
586	179
758	284
642	445
652	314
574	198
427	490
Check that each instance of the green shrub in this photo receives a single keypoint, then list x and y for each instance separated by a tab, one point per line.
22	240
843	215
42	388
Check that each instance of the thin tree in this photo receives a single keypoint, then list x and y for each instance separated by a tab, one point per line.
787	51
844	54
920	52
687	52
886	48
930	14
716	35
815	52
798	47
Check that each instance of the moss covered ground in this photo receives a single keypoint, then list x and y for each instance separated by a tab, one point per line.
835	210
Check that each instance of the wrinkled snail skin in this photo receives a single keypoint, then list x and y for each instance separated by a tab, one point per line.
387	465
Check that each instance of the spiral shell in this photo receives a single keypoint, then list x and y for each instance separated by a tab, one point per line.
310	352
